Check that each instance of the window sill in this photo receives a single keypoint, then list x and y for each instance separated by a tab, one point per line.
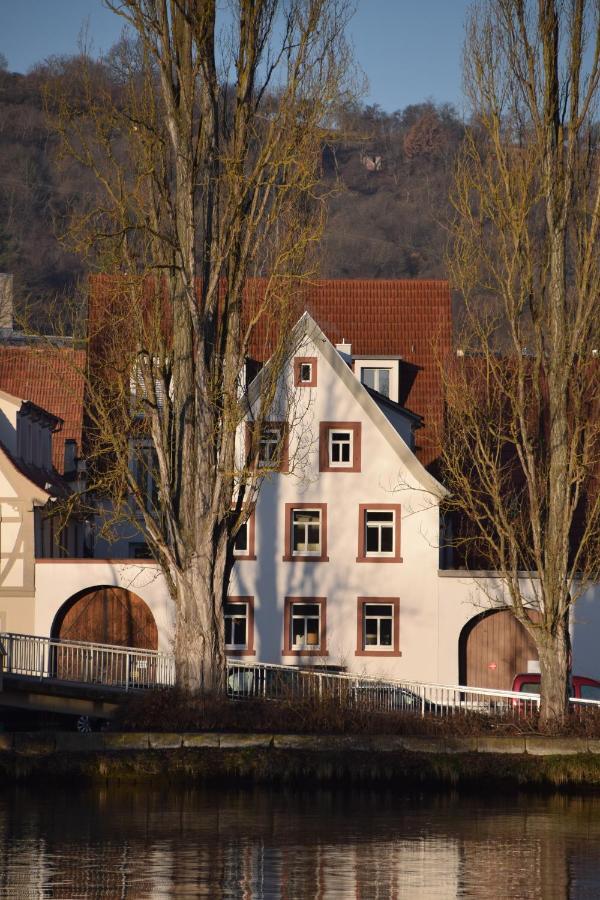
379	559
378	653
289	652
288	558
237	556
232	652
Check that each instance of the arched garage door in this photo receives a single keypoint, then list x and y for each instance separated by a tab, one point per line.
493	648
107	615
104	615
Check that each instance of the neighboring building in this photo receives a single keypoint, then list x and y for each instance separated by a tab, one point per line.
29	485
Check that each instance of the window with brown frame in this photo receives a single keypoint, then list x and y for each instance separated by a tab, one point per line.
379	532
378	626
339	446
272	452
305	532
304	626
238	613
305	371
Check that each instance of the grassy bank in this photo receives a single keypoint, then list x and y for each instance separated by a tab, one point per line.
502	762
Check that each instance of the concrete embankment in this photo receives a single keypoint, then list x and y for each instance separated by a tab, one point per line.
521	761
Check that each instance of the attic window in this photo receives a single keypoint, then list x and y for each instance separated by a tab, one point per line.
376	378
305	371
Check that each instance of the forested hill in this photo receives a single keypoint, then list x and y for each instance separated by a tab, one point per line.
387	222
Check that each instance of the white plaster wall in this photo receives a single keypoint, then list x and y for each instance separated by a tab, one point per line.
9	407
57	581
383	479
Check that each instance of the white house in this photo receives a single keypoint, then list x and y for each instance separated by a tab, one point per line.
339	563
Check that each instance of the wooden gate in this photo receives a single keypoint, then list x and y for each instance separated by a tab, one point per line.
103	615
493	648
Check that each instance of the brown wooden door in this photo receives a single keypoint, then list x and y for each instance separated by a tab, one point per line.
494	649
110	615
104	615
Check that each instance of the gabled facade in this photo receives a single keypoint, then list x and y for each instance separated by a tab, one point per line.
338	564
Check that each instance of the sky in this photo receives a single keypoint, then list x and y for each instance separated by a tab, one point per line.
409	49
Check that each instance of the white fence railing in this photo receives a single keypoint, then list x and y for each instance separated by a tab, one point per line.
247	680
123	668
129	669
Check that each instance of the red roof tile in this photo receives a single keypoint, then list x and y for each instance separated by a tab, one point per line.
411	319
52	378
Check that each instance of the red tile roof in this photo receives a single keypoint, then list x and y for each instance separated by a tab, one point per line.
52	378
411	319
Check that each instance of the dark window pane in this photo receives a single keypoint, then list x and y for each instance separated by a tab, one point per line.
228	631
338	436
305	372
378	609
297	631
235	609
298	536
305	609
372	540
380	515
313	537
239	632
241	539
387	540
371	631
335	453
385	632
345	452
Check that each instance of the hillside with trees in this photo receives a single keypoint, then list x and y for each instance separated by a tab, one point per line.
387	221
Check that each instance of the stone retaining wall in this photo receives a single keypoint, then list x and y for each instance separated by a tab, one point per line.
480	763
30	743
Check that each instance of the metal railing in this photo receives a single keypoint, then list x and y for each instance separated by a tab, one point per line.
127	669
106	665
269	681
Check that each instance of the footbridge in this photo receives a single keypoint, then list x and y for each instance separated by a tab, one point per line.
84	678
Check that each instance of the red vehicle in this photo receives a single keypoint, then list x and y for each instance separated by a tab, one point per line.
580	688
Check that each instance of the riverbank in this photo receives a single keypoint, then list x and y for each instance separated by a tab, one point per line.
521	762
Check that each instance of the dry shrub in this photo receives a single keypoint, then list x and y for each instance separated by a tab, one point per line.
173	710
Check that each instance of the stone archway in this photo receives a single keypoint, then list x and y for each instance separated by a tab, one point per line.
493	647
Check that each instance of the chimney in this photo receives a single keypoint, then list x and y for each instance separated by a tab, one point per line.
344	348
6	302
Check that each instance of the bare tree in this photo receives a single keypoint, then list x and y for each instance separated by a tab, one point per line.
208	150
521	453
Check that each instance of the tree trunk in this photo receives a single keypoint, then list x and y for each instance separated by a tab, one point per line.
555	659
200	662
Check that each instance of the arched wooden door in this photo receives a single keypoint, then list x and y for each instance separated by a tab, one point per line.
103	615
108	615
493	648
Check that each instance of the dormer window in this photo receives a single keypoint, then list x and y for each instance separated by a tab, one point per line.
379	373
376	378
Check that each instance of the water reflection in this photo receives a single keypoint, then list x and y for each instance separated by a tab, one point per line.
139	842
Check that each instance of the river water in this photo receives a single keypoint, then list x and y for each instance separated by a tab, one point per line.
149	842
